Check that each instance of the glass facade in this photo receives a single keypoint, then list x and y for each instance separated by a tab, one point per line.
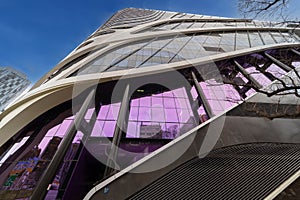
182	47
155	114
12	84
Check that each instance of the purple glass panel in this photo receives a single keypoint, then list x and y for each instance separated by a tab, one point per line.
97	130
132	130
145	102
171	115
232	95
149	115
250	92
172	130
135	102
133	115
103	112
89	114
180	92
157	114
63	128
168	94
78	137
144	114
112	113
276	71
52	131
184	115
296	64
157	101
157	95
108	128
220	96
43	144
261	78
169	103
182	103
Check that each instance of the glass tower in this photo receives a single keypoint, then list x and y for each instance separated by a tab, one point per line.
12	84
146	92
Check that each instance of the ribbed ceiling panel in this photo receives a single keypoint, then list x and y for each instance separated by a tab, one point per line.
249	171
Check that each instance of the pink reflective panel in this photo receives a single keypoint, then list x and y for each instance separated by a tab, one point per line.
201	111
133	115
97	130
52	131
78	137
132	130
144	114
169	103
184	115
43	144
276	71
220	96
250	92
103	112
168	94
296	64
145	102
180	92
194	92
108	129
157	114
113	112
135	102
182	103
172	129
171	115
259	77
157	101
89	114
63	128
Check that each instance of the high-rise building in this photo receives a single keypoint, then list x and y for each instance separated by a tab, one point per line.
12	84
161	105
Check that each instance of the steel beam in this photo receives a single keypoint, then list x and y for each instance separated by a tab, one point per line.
41	189
119	129
278	63
200	93
247	75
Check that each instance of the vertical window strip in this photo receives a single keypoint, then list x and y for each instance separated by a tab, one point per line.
235	35
177	25
131	53
272	36
293	35
170	60
282	35
248	36
147	59
220	41
261	38
189	26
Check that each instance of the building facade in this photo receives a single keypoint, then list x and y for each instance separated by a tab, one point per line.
152	97
12	84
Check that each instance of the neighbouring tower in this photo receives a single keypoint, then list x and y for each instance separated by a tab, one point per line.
12	84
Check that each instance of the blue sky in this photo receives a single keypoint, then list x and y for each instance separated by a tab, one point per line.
36	34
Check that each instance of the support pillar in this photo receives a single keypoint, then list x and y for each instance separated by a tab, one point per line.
41	189
247	75
121	126
279	63
200	93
